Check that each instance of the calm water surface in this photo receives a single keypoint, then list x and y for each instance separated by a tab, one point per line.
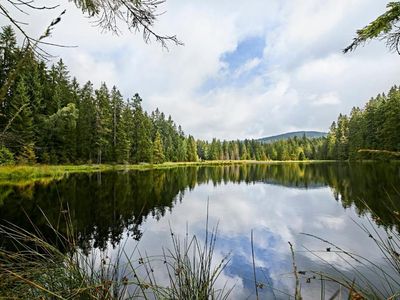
278	202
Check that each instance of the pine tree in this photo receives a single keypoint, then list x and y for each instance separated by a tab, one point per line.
116	111
8	52
158	152
342	137
8	60
191	149
86	124
123	140
60	87
20	124
356	133
391	121
244	154
141	133
182	149
331	142
103	124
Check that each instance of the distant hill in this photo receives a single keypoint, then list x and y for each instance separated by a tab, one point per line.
299	134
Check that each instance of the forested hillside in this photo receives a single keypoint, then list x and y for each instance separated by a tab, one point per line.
298	134
47	117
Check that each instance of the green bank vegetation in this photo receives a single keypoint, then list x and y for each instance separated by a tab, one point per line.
22	172
48	118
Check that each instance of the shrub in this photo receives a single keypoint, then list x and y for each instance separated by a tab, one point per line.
6	156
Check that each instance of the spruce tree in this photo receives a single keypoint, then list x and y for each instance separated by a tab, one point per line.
86	124
191	149
158	152
123	136
20	124
141	133
116	107
103	125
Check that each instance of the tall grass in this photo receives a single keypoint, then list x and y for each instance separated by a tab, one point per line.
386	281
37	269
356	284
17	172
33	268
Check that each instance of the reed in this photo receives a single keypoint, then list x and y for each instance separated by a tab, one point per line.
33	268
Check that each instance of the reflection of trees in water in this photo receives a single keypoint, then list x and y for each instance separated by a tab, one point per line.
102	205
370	188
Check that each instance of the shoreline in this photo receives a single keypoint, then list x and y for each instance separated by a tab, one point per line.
13	172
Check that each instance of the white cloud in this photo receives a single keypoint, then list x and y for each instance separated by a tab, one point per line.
301	82
247	66
326	99
97	71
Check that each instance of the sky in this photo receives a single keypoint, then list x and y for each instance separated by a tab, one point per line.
248	69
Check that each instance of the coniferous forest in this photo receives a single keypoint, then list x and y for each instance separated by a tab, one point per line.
375	127
47	117
104	196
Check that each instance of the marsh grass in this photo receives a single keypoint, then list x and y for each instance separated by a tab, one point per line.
33	268
36	269
190	269
24	172
358	285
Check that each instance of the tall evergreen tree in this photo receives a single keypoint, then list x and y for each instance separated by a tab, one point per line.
103	124
86	124
123	136
158	151
116	107
141	134
191	149
20	124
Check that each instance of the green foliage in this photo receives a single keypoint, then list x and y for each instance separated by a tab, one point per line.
385	27
60	128
46	117
191	149
8	52
374	129
139	16
27	155
141	133
6	156
158	152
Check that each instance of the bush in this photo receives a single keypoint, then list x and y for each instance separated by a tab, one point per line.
27	155
6	156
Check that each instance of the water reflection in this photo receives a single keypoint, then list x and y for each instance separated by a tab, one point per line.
277	201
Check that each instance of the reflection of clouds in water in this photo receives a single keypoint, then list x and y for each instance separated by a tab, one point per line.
267	261
277	215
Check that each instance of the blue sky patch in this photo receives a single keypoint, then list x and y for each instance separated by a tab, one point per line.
246	50
249	48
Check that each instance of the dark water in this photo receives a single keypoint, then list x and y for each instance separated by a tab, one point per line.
278	202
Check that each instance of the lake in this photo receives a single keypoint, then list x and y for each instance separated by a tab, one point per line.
277	202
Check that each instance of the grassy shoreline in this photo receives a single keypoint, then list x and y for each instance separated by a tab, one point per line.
40	171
